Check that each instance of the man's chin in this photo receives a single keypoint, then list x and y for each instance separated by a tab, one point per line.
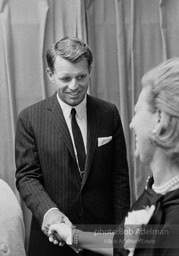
73	101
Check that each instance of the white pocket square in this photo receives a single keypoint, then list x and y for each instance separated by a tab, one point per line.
104	140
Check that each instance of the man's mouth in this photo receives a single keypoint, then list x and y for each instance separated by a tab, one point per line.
74	94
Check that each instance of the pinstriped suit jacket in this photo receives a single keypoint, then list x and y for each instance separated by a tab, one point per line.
47	173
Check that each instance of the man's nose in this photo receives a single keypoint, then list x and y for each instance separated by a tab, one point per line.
73	84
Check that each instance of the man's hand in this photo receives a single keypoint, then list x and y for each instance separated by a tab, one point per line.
62	231
54	216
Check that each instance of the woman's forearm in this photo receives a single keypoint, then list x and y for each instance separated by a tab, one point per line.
97	242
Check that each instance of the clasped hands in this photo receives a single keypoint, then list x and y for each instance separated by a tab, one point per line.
58	228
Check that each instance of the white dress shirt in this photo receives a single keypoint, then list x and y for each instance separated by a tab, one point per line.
81	119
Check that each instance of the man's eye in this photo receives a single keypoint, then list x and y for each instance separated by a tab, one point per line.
65	79
81	77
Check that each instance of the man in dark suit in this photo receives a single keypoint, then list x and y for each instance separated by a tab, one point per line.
71	164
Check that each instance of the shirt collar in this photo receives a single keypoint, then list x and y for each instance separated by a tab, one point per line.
80	109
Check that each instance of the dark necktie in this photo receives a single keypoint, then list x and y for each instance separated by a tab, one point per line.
78	139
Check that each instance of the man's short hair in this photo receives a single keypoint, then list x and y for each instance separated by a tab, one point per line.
71	49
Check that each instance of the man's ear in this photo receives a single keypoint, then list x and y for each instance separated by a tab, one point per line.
89	69
50	74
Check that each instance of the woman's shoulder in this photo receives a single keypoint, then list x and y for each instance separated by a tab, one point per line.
171	214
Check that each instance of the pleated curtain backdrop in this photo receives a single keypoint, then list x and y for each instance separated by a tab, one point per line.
127	38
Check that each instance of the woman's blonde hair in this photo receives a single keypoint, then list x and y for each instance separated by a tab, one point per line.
164	97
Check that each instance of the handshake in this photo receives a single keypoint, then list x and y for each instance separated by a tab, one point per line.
59	228
60	233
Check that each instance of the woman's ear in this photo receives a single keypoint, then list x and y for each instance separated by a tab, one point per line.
162	123
157	122
50	74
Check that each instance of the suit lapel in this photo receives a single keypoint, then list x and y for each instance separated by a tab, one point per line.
92	132
58	119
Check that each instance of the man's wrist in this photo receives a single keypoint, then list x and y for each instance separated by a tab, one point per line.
51	209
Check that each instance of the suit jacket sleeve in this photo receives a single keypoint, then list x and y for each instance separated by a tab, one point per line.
28	173
120	172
